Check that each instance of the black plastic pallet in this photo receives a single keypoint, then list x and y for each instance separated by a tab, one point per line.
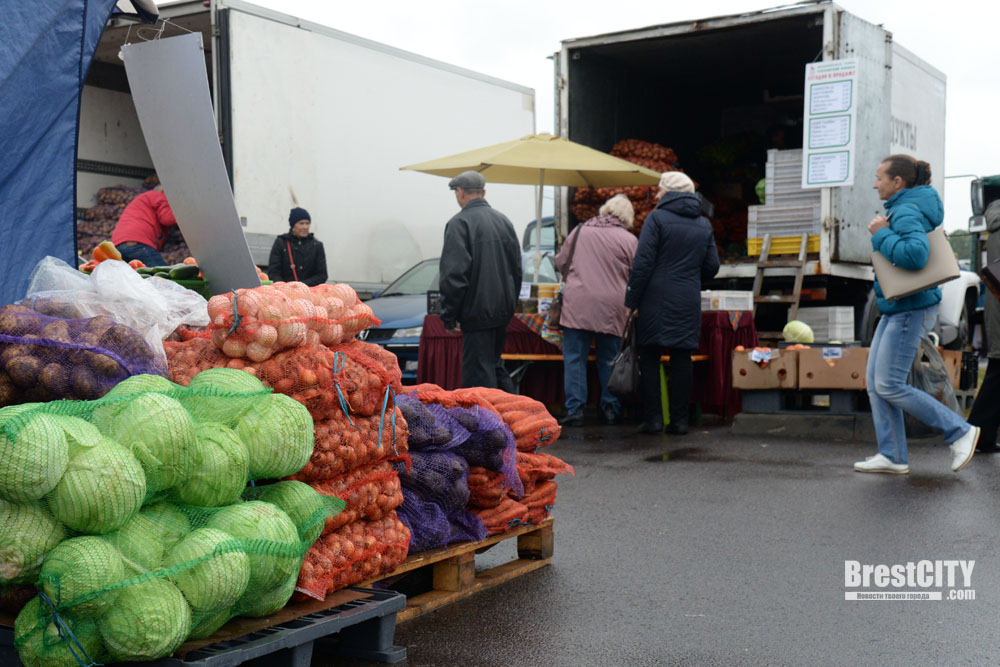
362	628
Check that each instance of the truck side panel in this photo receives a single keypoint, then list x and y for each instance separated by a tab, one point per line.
918	111
331	119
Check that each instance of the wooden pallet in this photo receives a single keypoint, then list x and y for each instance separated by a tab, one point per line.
454	568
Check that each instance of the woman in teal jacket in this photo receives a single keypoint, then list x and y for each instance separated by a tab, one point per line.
913	208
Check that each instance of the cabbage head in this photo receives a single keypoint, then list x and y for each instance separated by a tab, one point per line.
147	622
77	568
245	391
206	625
140	384
270	540
140	545
797	331
80	434
171	524
33	457
302	503
160	432
27	533
278	432
102	488
216	571
264	603
221	467
39	643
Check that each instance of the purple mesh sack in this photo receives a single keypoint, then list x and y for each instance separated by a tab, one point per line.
430	527
444	417
425	430
45	358
490	444
440	477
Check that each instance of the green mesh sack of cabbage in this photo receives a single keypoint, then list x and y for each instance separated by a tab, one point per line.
172	572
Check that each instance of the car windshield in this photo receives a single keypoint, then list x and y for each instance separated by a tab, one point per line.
548	235
546	270
421	279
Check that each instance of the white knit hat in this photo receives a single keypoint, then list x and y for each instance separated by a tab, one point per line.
676	181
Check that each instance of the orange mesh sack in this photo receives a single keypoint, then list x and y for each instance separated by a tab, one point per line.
509	514
370	492
256	323
528	419
486	488
369	377
343	443
356	552
539	467
540	502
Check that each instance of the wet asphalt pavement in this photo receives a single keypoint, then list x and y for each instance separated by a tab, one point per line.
713	549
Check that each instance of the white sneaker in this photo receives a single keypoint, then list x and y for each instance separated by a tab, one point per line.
880	463
963	449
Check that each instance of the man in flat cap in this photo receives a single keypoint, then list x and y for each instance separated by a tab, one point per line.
480	281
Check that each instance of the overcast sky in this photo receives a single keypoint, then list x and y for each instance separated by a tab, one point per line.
511	39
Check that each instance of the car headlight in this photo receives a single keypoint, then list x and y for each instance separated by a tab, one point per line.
408	332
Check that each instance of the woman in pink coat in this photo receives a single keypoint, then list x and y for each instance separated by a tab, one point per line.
602	249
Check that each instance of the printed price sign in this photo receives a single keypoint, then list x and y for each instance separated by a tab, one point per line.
757	356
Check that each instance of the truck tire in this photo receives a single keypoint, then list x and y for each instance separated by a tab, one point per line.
964	337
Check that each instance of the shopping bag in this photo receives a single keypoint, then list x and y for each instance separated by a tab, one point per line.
624	379
941	267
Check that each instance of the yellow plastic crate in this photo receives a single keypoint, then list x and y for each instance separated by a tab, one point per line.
783	245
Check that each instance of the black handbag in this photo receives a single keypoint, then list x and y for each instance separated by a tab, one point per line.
555	308
624	379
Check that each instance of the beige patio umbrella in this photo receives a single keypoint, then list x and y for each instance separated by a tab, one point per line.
542	159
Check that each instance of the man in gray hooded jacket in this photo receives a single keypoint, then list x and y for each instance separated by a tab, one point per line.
480	282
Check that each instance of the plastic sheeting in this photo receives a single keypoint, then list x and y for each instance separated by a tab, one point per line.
45	51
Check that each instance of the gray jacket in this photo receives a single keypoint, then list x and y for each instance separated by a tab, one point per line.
991	314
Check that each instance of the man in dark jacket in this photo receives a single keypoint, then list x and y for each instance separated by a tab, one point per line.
480	281
309	265
676	252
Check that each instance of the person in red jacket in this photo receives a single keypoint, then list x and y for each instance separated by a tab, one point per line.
143	227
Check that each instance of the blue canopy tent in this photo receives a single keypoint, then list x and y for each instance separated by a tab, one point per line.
45	52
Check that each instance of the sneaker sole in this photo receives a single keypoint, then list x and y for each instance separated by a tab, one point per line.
884	472
972	452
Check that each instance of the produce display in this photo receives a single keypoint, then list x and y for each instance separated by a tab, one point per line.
346	442
530	422
45	358
132	516
369	492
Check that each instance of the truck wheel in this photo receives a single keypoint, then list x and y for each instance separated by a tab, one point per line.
869	320
964	337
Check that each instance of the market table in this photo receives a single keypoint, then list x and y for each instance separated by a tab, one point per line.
440	358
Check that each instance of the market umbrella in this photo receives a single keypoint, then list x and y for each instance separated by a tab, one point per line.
542	159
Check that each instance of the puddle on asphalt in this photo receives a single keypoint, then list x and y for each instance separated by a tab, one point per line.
703	456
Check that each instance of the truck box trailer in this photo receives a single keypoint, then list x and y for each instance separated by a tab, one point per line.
314	117
727	94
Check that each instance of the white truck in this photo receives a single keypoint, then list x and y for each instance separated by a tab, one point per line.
310	116
734	86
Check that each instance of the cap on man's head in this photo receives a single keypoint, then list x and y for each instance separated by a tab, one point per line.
468	180
297	215
676	181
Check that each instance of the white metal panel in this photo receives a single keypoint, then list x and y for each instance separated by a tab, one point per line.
109	129
918	111
332	120
855	206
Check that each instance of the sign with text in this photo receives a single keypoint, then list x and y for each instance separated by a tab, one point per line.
829	130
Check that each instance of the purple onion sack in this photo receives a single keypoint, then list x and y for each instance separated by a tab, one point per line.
490	444
45	358
441	477
425	430
431	527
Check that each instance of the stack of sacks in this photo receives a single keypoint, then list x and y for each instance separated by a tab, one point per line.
128	514
436	489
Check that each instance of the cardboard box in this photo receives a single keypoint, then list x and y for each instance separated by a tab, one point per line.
953	361
833	368
780	371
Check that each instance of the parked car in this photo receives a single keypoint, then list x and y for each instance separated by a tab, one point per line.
548	235
402	307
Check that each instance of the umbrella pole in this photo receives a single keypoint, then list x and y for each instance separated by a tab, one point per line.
537	259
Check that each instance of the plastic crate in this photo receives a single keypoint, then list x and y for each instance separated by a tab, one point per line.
362	628
726	300
829	322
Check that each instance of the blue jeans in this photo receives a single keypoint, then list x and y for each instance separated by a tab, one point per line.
142	252
576	347
894	347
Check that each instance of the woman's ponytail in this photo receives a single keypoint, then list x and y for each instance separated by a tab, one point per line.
914	172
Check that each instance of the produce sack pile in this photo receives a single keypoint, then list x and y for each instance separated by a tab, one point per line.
256	323
529	420
492	503
46	358
154	307
587	201
131	514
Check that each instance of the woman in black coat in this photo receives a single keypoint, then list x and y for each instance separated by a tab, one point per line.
309	266
676	252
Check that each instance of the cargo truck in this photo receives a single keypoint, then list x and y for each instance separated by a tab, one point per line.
727	94
314	117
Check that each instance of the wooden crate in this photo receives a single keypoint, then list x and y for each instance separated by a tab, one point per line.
454	568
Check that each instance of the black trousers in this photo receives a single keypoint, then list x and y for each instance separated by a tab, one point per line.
986	410
481	362
681	380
